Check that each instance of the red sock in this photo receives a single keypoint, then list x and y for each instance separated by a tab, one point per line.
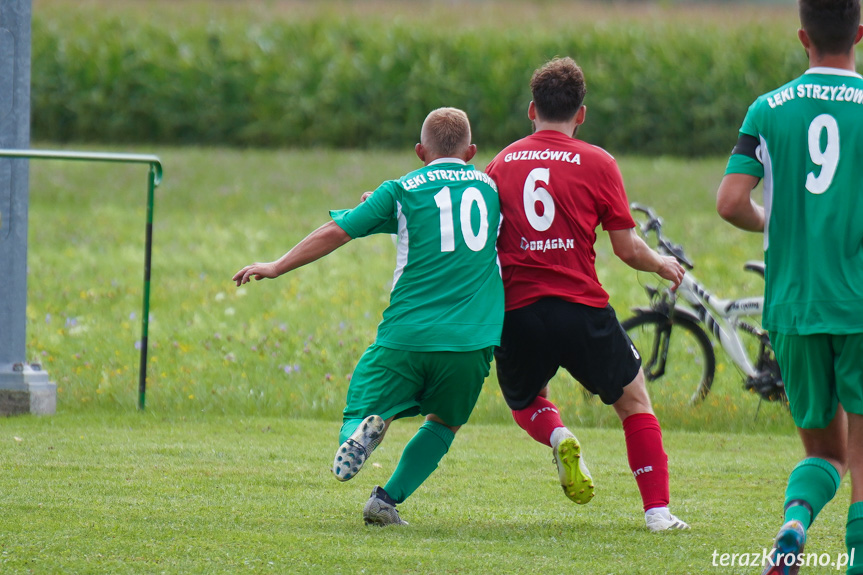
647	458
539	419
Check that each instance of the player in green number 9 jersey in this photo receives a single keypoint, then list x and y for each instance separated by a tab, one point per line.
805	141
435	344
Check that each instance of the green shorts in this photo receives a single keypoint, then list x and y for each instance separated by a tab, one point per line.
820	371
398	383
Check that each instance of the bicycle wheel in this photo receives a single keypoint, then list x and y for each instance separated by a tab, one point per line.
676	357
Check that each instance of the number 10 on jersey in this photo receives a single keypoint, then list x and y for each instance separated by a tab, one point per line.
471	196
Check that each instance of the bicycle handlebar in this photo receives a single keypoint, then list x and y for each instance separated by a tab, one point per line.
654	224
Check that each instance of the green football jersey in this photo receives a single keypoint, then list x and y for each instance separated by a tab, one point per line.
447	290
806	142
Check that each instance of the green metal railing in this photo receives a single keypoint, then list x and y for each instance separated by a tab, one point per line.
154	179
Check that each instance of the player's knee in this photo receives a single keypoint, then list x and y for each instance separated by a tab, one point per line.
436	419
634	400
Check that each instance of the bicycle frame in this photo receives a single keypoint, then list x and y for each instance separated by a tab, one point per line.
722	318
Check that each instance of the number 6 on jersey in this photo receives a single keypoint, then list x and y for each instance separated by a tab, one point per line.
534	194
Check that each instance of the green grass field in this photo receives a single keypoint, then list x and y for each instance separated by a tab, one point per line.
227	469
146	493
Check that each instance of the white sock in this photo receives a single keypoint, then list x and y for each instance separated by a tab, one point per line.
558	435
658	511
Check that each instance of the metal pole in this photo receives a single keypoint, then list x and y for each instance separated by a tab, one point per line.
24	388
154	178
145	318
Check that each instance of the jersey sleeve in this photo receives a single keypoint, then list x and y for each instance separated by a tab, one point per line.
746	156
376	215
615	213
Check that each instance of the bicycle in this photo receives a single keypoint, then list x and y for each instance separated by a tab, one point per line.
670	333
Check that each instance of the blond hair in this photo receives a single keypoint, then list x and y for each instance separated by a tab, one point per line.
446	132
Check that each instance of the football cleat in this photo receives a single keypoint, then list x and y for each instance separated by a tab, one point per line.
661	519
787	548
352	454
380	509
575	479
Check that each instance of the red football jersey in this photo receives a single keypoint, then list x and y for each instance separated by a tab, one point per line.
554	192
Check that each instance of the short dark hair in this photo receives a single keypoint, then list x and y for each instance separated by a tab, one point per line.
830	24
558	90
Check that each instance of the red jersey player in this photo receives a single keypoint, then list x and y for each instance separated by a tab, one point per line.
555	191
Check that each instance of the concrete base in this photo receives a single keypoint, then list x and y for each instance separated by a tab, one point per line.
26	389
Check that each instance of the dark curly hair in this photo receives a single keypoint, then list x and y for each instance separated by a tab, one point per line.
558	89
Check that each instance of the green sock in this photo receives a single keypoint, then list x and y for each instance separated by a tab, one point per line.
854	538
419	459
348	428
814	481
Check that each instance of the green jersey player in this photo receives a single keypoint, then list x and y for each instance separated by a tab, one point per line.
805	140
434	345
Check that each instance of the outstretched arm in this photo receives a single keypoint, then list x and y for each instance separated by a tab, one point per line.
735	204
635	253
316	245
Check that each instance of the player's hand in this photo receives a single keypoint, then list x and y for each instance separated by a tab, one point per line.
671	270
258	271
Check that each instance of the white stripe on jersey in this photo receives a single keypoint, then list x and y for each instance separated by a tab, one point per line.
401	245
767	189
